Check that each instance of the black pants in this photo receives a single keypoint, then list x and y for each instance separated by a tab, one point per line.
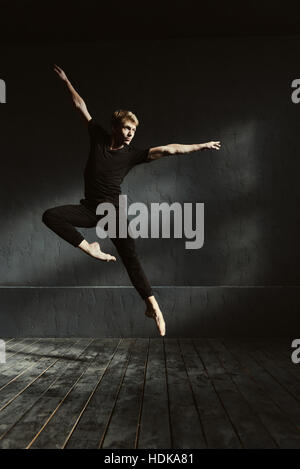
63	219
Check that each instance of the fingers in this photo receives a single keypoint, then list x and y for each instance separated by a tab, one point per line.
110	258
216	145
213	145
58	70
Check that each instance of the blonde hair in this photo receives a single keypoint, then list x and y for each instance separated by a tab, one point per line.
120	116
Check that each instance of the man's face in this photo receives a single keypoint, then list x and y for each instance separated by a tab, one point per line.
127	131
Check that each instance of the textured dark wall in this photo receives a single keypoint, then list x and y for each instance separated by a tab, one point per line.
183	91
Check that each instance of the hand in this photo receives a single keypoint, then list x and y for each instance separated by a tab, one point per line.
60	73
213	145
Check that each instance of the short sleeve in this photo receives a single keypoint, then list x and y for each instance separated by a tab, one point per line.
140	156
96	131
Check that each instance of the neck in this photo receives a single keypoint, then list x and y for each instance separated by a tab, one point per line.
115	144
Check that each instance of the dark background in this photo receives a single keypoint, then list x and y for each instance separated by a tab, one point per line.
51	21
221	71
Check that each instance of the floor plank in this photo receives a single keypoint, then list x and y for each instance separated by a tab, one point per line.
16	344
122	431
280	370
272	418
277	398
58	428
16	348
187	430
154	430
24	358
91	425
149	393
281	356
40	360
218	430
251	431
19	421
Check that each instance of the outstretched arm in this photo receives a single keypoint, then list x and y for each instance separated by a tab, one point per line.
77	100
177	148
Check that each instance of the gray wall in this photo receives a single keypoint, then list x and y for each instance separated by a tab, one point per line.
244	281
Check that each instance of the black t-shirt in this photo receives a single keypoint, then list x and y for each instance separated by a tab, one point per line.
106	169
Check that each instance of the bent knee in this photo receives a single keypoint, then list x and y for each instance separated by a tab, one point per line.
48	215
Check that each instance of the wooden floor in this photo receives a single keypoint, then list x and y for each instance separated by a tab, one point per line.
149	393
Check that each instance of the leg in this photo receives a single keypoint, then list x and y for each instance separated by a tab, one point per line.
63	219
127	252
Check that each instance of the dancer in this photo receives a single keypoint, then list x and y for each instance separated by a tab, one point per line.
111	158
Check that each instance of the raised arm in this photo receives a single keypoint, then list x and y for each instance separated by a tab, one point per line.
177	148
77	100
